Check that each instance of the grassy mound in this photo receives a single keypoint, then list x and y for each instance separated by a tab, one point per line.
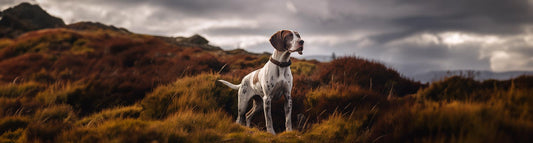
199	93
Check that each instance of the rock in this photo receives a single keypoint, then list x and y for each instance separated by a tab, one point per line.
197	39
26	17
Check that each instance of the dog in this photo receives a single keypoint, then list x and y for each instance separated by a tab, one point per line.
270	82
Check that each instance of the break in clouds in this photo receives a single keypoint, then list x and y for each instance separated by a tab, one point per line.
412	36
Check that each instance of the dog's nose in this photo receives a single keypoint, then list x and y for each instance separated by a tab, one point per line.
301	42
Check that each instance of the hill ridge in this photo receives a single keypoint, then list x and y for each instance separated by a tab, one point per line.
26	17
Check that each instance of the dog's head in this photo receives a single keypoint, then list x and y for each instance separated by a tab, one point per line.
287	40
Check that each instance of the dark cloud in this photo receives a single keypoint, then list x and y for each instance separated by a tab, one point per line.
477	16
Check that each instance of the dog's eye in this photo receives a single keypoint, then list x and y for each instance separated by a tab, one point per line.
288	37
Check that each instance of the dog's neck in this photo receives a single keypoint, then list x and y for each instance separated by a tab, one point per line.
281	56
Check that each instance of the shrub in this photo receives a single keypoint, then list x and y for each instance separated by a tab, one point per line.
303	68
326	100
467	89
367	74
452	88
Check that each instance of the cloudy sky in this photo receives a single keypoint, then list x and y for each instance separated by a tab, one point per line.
412	36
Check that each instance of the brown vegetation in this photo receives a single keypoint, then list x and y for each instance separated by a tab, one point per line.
107	85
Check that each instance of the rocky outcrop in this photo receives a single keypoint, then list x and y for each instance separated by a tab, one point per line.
193	41
26	17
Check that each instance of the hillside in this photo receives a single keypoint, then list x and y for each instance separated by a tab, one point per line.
91	82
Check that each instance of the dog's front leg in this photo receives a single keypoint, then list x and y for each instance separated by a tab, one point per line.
288	111
268	115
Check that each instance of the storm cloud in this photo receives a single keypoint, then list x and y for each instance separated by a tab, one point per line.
412	36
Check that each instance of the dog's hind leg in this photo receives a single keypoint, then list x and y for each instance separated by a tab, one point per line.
245	94
257	107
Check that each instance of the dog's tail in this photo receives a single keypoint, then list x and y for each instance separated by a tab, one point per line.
230	85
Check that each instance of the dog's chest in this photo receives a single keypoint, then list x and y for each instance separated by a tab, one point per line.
279	82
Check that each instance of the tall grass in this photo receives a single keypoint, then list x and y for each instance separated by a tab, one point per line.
12	123
183	126
455	121
336	129
58	93
48	123
110	114
12	128
27	89
199	93
344	99
459	109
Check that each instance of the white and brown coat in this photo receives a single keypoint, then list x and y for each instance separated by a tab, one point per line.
272	81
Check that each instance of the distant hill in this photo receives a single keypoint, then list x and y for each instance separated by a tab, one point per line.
321	58
26	17
95	26
195	40
477	75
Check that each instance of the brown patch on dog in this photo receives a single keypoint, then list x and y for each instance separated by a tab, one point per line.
256	77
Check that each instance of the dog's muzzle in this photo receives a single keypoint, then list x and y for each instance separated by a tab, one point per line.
299	50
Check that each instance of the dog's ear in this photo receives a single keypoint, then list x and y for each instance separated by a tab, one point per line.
278	42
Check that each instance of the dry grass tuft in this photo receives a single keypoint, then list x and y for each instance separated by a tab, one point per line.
110	114
201	93
27	89
183	126
337	129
